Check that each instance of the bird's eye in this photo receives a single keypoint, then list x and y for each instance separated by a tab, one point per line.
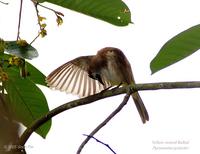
110	52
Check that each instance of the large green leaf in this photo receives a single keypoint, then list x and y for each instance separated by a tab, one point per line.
26	100
113	11
177	48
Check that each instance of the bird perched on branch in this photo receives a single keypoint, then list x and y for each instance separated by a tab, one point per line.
87	75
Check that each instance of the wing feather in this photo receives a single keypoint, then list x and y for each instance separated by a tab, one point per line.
84	84
94	86
68	82
75	80
72	77
63	79
87	91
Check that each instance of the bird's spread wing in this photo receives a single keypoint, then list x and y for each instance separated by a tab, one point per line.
72	77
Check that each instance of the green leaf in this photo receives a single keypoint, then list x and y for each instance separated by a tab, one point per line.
113	11
2	45
23	50
177	48
34	74
27	102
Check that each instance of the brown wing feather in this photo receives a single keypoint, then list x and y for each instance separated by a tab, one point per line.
72	77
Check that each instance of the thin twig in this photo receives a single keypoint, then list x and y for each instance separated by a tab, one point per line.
4	3
56	12
19	22
102	124
37	12
42	29
35	3
101	143
113	92
35	39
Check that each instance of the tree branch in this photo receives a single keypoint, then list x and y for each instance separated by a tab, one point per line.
113	92
102	124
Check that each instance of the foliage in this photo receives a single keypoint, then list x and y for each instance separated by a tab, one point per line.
26	102
113	11
21	49
177	48
24	99
19	79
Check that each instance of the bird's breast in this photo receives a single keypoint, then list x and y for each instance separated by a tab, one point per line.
112	73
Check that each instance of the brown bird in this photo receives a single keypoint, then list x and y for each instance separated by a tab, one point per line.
88	75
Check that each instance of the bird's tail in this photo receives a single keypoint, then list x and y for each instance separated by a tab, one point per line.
140	107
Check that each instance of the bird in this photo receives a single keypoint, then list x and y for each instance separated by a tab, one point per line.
88	75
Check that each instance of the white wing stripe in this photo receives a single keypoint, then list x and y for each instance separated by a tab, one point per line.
55	79
58	71
75	80
69	80
84	85
63	76
80	83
